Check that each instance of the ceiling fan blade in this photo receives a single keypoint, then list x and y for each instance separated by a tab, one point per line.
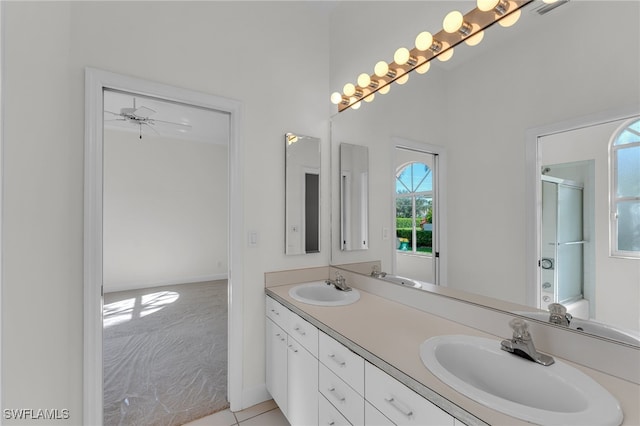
143	112
151	127
114	113
116	119
181	126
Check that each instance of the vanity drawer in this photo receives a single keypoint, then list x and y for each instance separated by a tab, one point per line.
277	313
399	403
328	415
341	395
303	332
342	361
373	417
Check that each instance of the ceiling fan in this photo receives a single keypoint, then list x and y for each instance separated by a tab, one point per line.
141	116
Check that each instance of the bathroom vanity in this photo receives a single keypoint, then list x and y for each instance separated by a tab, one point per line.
360	364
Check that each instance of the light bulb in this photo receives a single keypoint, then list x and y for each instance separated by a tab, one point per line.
475	39
370	97
446	55
364	80
403	78
549	1
424	40
487	5
336	98
355	105
401	56
423	68
384	89
349	89
452	22
511	19
381	69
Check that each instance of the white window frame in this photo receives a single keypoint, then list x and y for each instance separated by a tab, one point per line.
614	200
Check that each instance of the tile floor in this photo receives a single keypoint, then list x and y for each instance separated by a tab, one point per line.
264	414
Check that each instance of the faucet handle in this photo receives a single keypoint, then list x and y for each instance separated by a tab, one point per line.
557	309
520	328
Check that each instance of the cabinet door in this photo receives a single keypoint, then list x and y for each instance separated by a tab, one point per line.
302	377
276	342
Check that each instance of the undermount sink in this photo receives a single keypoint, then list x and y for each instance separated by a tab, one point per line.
558	394
591	327
323	294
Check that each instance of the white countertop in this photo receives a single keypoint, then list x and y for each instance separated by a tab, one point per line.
389	334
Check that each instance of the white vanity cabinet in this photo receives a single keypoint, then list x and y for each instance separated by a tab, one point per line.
316	380
399	403
291	367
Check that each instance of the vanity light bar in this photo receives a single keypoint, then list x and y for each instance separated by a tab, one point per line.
456	29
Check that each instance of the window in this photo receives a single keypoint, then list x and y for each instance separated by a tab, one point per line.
414	208
625	191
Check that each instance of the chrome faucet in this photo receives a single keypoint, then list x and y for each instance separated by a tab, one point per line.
521	343
340	283
376	273
559	315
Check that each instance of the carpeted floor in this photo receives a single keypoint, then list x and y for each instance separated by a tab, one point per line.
165	354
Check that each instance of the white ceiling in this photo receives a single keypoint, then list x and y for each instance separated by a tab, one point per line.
206	125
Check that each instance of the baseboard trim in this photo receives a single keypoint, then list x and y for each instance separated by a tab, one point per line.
137	285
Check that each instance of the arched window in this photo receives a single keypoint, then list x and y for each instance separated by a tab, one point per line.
625	190
414	208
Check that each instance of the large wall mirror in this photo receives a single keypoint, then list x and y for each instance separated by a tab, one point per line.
302	194
492	107
354	197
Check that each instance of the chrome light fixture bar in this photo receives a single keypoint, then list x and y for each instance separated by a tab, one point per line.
457	28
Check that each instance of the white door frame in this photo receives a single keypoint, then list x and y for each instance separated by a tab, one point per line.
95	82
439	191
533	188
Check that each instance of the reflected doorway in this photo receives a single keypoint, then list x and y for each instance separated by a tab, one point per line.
416	250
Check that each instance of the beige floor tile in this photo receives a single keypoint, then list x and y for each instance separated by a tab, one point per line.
270	418
221	418
257	409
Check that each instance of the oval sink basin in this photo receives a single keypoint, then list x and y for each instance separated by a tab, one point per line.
558	394
591	327
397	279
322	294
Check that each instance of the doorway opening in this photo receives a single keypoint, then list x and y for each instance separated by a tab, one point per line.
165	227
99	82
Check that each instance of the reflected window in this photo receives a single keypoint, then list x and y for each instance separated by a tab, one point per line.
625	191
414	208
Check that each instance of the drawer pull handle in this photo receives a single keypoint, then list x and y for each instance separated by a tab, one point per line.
275	312
335	393
338	361
400	407
280	336
302	333
331	423
294	350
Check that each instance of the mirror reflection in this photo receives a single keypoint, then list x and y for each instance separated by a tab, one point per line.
490	108
302	194
354	197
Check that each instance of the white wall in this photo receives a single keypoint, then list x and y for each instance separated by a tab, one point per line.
480	109
240	50
164	212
